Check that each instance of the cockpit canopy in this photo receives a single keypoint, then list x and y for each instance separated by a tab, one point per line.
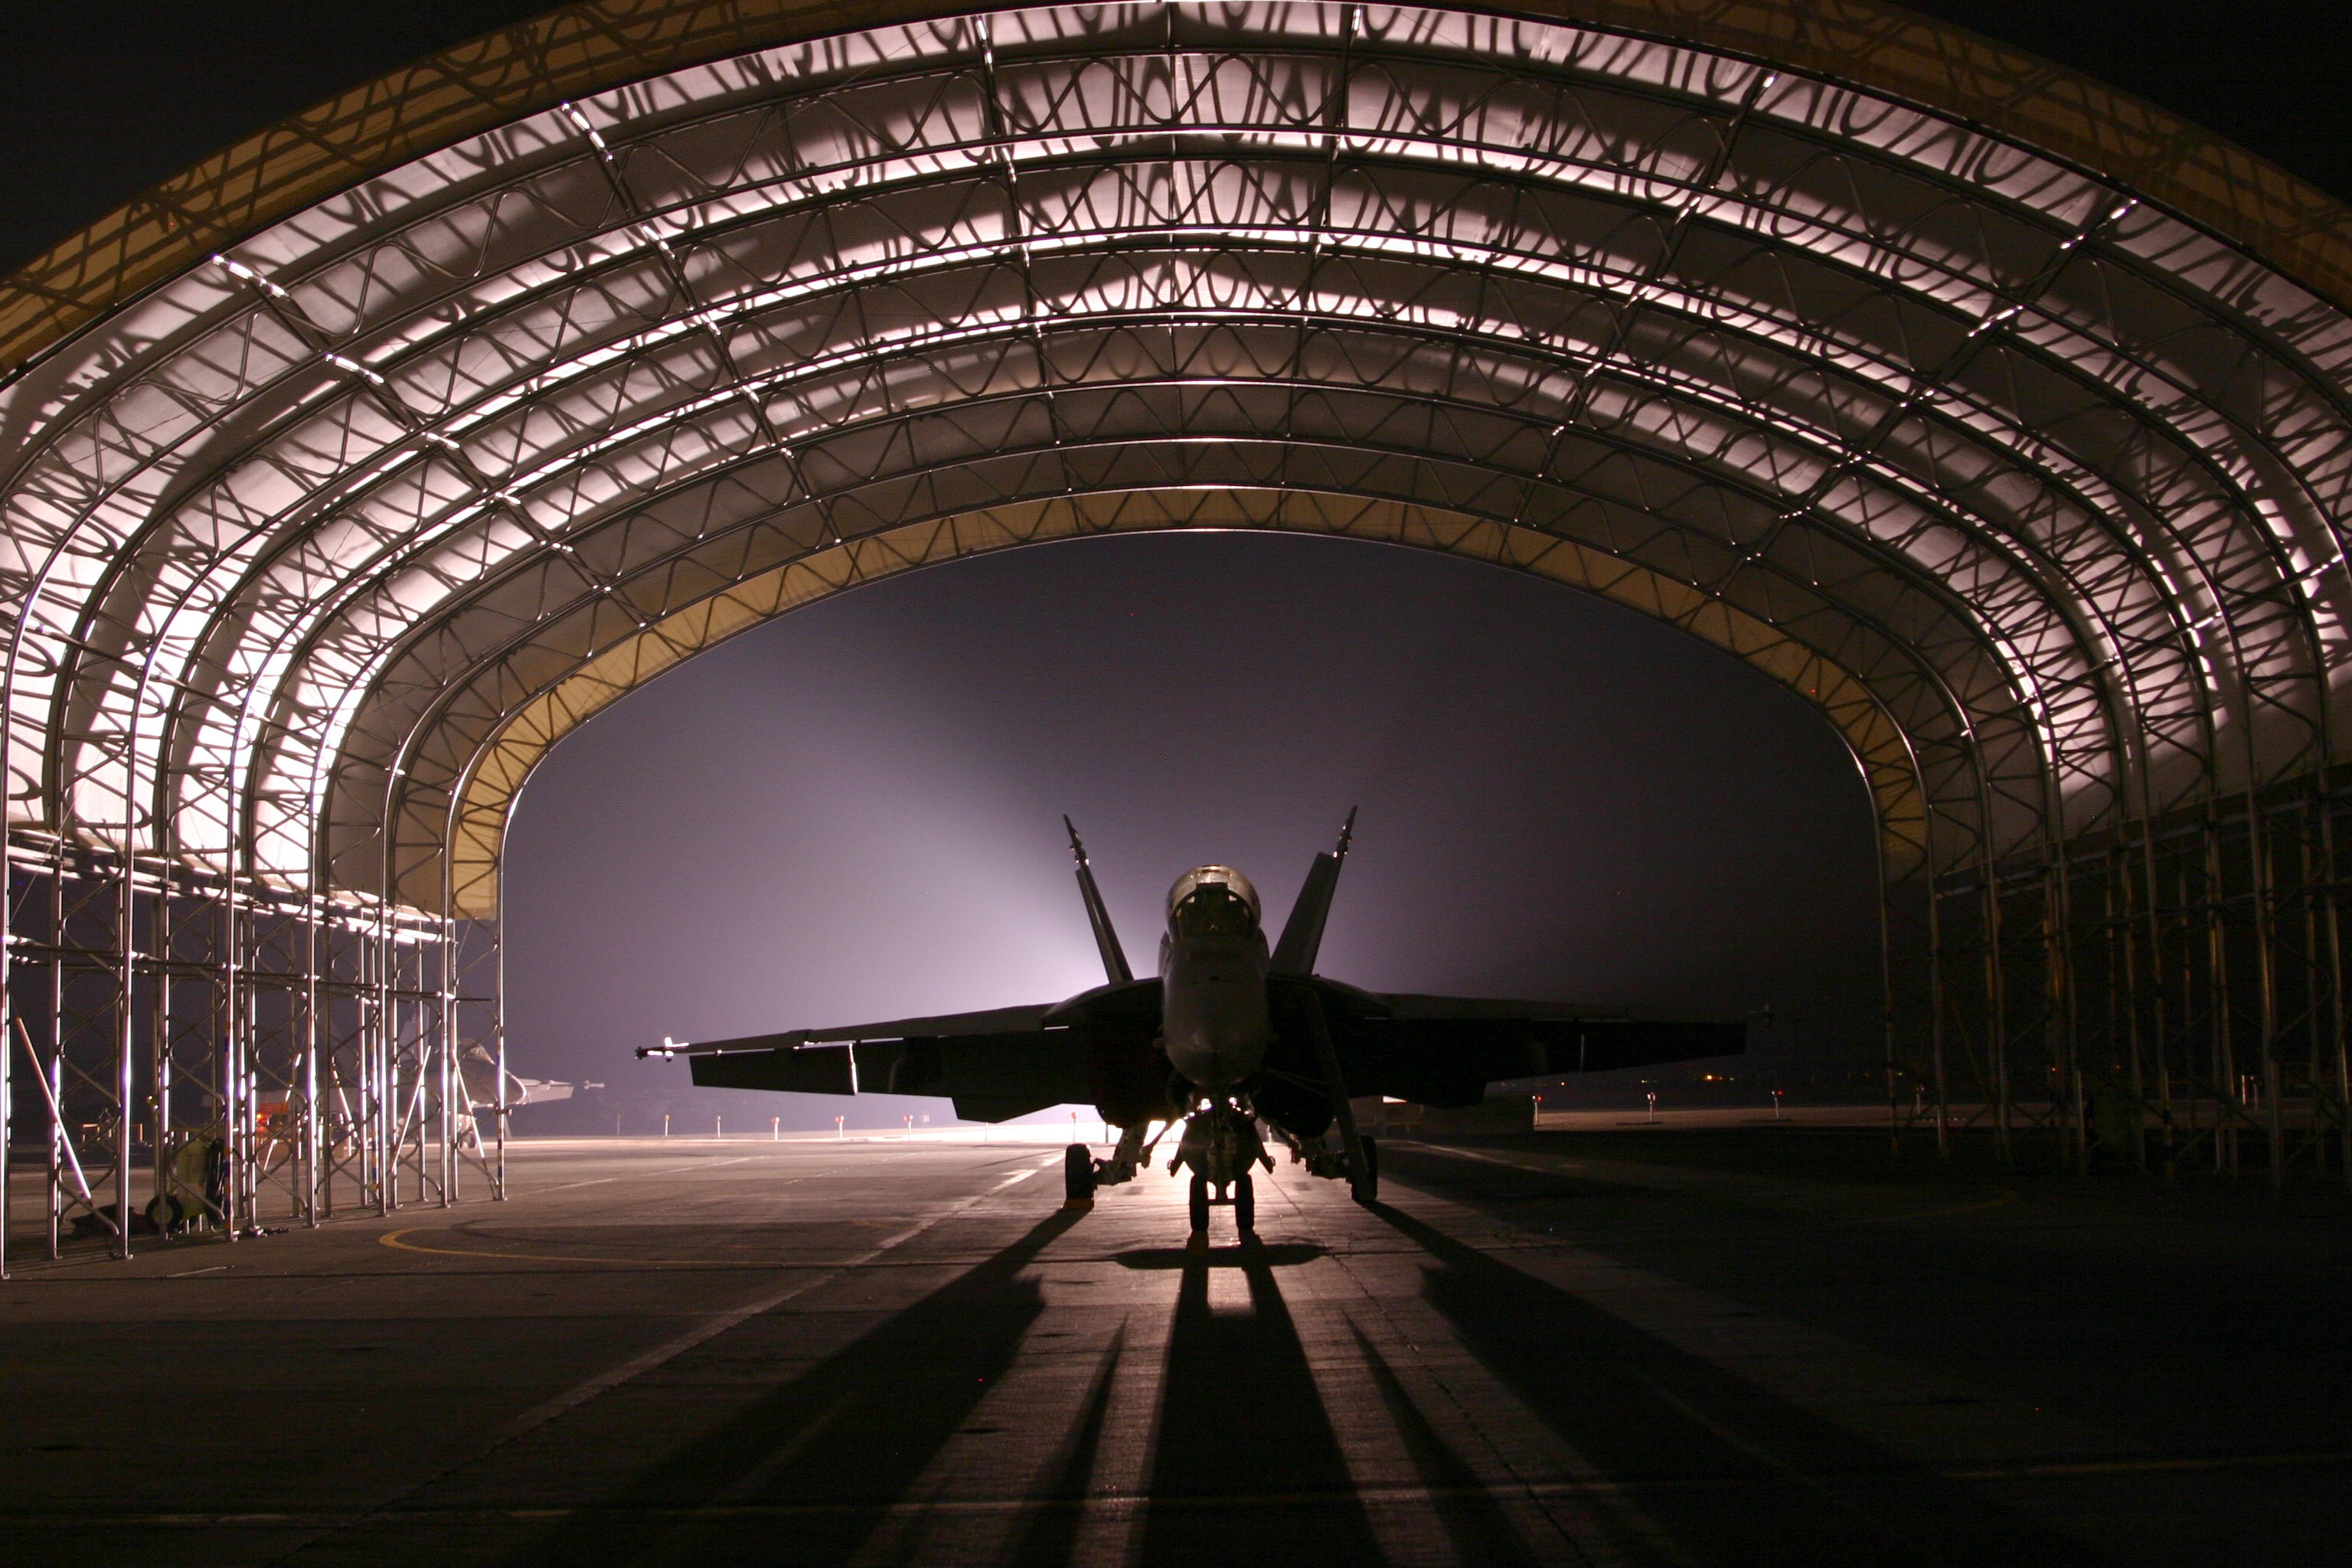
1213	901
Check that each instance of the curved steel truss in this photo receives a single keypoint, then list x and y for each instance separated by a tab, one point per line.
2021	452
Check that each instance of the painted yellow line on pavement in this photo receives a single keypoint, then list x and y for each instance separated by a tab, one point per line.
2004	1196
2155	1465
395	1239
1550	1165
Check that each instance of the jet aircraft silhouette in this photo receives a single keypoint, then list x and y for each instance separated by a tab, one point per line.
1228	1039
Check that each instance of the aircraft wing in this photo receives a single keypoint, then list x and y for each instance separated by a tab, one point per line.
994	1065
1445	1050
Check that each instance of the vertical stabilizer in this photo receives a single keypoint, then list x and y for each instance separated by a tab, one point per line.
1302	934
1106	939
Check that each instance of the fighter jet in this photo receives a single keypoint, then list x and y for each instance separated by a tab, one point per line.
478	1076
1234	1041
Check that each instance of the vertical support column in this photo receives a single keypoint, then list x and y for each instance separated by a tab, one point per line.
1995	1017
2157	1083
8	939
2332	953
8	1067
498	1029
237	1062
462	1122
313	1181
2128	1002
433	958
161	1076
1886	991
9	936
1939	1007
126	1045
404	1110
457	1102
381	1051
57	1150
2262	888
2301	992
2224	1059
56	1068
396	1014
382	1046
2171	919
2064	1069
377	1082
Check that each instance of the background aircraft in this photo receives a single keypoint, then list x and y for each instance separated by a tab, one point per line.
477	1075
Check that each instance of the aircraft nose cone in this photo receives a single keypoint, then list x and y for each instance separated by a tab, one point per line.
1214	1059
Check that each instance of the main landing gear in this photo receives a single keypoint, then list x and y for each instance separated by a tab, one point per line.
1082	1172
1332	1164
1078	1177
1221	1147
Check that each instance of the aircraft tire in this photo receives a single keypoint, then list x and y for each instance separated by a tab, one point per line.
1245	1205
1199	1204
1078	1175
1367	1181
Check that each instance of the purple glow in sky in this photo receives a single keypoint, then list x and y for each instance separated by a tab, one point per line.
854	813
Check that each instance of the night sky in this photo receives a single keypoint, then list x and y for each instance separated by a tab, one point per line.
855	812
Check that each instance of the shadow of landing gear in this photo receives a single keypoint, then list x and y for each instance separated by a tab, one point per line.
1252	1255
1246	1460
833	1449
1719	1470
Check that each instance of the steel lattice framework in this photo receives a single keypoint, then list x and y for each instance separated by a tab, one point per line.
2002	418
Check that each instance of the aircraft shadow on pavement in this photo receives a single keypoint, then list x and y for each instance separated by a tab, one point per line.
836	1446
1281	1255
1246	1456
1702	1466
1243	1440
1246	1450
1699	1466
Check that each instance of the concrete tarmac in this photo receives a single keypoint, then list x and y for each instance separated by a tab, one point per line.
718	1353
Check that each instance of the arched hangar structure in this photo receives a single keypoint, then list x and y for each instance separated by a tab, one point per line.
2004	418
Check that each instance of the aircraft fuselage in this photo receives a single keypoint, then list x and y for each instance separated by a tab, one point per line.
1213	965
1213	1022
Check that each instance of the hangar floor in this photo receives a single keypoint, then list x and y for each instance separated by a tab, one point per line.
1534	1351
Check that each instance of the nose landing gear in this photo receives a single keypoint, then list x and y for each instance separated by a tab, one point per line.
1242	1201
1220	1146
